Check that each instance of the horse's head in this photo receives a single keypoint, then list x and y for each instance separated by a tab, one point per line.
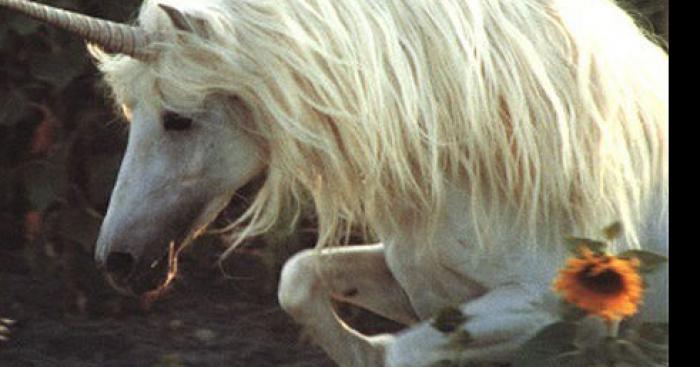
179	170
177	174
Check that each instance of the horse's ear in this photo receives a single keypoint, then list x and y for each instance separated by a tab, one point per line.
180	20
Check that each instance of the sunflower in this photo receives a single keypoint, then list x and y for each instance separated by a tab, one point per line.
603	285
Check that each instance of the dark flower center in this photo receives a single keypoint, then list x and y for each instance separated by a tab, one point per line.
606	282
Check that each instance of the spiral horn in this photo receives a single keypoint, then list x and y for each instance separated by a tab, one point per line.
111	36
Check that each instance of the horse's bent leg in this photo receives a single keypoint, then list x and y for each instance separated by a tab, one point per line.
355	274
496	325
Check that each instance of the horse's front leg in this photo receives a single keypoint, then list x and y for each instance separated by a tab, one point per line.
494	327
354	274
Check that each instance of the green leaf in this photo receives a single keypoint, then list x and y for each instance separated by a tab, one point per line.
62	67
590	332
43	182
656	332
652	340
79	226
13	106
170	360
572	359
444	363
551	346
649	261
569	312
22	25
625	351
575	244
613	231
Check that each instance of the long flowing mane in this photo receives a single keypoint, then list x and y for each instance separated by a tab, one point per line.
554	111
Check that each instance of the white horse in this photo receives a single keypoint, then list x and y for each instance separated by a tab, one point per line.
469	136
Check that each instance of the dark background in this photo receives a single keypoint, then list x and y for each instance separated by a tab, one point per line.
60	147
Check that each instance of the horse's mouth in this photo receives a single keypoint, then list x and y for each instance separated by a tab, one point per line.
169	262
151	281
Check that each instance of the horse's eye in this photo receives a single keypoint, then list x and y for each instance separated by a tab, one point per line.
173	121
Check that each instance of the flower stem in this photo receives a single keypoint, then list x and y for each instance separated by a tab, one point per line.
613	328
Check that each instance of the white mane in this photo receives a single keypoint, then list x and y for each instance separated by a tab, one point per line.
371	109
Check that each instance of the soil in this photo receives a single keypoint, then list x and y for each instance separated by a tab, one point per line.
205	319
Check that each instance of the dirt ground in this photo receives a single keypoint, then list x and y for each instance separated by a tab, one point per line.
205	319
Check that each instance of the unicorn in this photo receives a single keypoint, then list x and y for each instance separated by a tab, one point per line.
467	137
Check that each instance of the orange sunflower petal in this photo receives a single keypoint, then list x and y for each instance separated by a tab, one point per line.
602	285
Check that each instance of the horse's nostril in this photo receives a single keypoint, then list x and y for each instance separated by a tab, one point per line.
120	264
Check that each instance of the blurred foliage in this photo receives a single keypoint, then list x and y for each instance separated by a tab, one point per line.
61	144
60	148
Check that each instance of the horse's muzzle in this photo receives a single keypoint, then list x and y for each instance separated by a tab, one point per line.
134	277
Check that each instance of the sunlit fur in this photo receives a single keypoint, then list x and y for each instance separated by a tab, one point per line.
371	109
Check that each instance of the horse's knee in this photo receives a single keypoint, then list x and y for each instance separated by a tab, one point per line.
298	283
